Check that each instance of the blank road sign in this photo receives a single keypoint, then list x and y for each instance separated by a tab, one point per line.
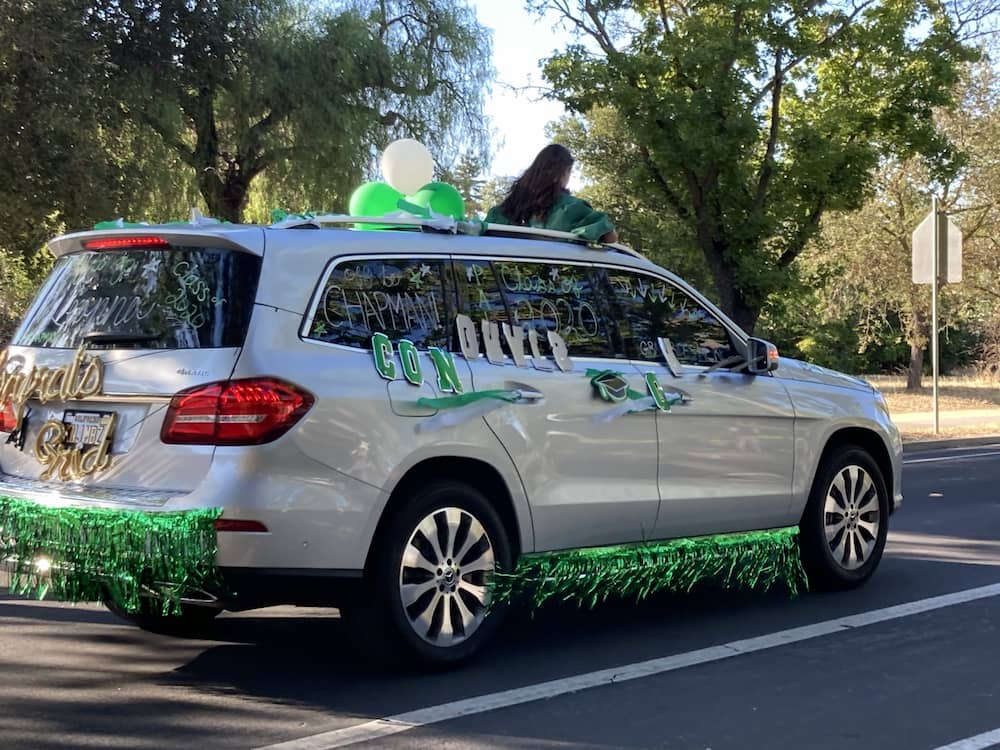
949	251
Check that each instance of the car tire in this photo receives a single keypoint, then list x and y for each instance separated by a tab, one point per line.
421	609
192	620
843	529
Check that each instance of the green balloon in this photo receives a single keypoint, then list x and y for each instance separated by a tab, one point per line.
374	199
441	198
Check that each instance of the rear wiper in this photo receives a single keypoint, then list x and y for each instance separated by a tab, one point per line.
102	337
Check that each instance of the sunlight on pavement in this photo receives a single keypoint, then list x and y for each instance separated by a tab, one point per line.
943	548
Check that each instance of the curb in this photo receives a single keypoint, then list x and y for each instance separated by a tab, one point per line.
917	446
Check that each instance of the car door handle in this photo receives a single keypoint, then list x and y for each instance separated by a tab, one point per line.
529	394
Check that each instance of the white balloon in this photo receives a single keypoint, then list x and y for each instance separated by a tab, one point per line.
407	165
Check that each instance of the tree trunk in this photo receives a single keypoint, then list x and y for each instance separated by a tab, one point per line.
743	314
916	371
226	199
731	298
918	335
222	181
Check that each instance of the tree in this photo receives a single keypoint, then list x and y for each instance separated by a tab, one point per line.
494	191
236	89
69	155
864	257
752	119
52	151
465	178
603	146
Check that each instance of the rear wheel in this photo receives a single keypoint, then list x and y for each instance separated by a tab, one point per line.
844	526
429	580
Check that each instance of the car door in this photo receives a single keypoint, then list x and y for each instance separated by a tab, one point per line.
726	449
589	475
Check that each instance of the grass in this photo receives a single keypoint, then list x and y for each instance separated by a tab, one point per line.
913	434
955	393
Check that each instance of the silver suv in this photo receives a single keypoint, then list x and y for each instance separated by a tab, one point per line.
387	416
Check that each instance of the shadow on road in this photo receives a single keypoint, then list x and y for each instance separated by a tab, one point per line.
310	660
291	660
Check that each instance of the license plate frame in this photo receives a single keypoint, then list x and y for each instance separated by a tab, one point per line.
94	429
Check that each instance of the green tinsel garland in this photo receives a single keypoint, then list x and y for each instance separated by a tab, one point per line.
98	552
589	576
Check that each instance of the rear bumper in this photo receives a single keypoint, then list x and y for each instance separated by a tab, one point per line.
76	531
315	520
252	588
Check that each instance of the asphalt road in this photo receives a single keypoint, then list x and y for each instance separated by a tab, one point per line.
924	677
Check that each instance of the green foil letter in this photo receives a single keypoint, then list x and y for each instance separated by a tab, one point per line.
444	363
411	362
382	348
656	391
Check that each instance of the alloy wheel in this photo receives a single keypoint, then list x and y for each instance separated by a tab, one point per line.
851	517
444	576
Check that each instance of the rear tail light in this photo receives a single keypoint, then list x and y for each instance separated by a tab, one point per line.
234	412
8	420
124	243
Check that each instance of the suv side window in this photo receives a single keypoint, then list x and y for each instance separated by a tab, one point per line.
651	308
479	294
402	298
554	297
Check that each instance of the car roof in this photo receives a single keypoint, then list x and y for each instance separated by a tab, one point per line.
313	250
519	242
305	248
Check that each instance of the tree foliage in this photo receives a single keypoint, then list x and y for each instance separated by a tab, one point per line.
465	177
608	156
747	121
236	88
52	142
861	262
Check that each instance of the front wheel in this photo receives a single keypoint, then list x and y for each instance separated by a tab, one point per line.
430	579
844	526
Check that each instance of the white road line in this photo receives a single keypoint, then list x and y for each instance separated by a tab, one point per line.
390	725
949	458
980	741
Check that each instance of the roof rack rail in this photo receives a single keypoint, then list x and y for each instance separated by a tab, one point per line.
402	219
511	229
441	223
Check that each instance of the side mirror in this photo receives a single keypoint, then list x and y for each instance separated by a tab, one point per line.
762	356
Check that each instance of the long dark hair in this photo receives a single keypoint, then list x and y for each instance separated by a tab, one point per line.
535	192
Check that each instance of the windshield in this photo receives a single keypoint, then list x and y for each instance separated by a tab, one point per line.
175	298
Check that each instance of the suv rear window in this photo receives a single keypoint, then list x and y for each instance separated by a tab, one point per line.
176	298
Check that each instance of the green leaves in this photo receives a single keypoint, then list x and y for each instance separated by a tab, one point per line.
754	118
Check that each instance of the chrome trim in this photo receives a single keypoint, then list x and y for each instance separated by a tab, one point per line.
65	493
128	398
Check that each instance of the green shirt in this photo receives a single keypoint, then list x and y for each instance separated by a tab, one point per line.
569	214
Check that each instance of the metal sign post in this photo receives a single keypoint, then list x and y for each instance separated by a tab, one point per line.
937	259
934	321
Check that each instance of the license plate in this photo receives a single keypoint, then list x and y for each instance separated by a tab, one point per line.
85	429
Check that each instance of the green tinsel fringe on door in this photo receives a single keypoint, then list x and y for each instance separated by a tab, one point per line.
756	559
96	552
